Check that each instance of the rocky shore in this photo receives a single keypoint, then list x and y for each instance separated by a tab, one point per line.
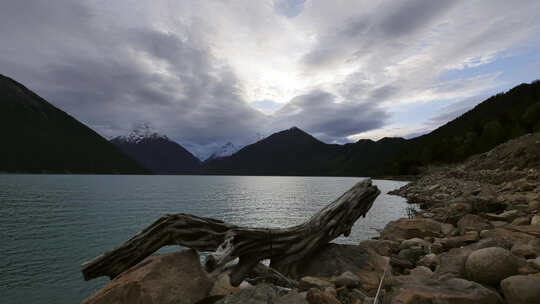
473	236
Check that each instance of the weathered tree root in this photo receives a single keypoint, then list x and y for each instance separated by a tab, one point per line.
285	247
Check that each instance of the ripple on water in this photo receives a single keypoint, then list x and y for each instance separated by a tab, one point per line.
50	224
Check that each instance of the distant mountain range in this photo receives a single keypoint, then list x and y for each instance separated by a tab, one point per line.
157	153
43	138
226	150
37	137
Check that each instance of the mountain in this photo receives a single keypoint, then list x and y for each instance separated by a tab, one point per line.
156	152
226	150
289	152
496	120
38	137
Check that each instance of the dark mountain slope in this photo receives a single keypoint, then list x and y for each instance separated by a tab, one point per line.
289	152
496	120
158	154
38	137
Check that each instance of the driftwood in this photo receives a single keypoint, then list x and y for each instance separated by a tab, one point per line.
285	247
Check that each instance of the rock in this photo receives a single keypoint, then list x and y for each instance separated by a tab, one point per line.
422	271
431	261
413	242
332	291
521	289
382	247
223	287
498	224
531	230
506	237
452	262
528	250
525	220
413	253
413	290
315	296
535	219
458	241
506	216
357	295
347	279
293	297
533	206
491	265
536	263
471	222
447	229
176	277
309	282
259	294
333	260
404	229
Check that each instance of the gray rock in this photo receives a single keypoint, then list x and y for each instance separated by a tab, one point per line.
491	265
382	247
524	220
521	289
506	216
430	261
422	271
347	279
471	222
452	262
413	242
413	254
259	294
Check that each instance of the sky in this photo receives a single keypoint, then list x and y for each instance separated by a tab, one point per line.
208	72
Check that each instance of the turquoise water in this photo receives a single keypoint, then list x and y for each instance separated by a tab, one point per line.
50	224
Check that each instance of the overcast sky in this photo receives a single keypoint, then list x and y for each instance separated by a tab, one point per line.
208	72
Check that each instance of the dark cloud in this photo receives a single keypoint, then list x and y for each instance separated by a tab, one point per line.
366	33
318	113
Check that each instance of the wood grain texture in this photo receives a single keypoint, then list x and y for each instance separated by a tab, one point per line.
285	247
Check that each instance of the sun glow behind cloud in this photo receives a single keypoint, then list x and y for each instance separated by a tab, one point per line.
209	72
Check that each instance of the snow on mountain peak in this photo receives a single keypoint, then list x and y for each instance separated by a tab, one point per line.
142	132
226	150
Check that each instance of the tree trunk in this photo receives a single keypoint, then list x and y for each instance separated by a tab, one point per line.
285	247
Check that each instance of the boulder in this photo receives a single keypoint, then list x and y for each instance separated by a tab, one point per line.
176	277
316	296
458	241
521	289
491	265
528	250
404	229
415	289
533	205
471	222
333	260
413	254
259	294
347	279
506	237
431	261
422	271
452	262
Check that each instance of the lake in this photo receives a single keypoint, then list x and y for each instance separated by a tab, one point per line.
50	224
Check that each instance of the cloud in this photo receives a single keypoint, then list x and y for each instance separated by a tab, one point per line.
318	113
208	72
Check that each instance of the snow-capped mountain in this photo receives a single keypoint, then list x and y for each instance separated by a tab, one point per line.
142	133
157	152
226	150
